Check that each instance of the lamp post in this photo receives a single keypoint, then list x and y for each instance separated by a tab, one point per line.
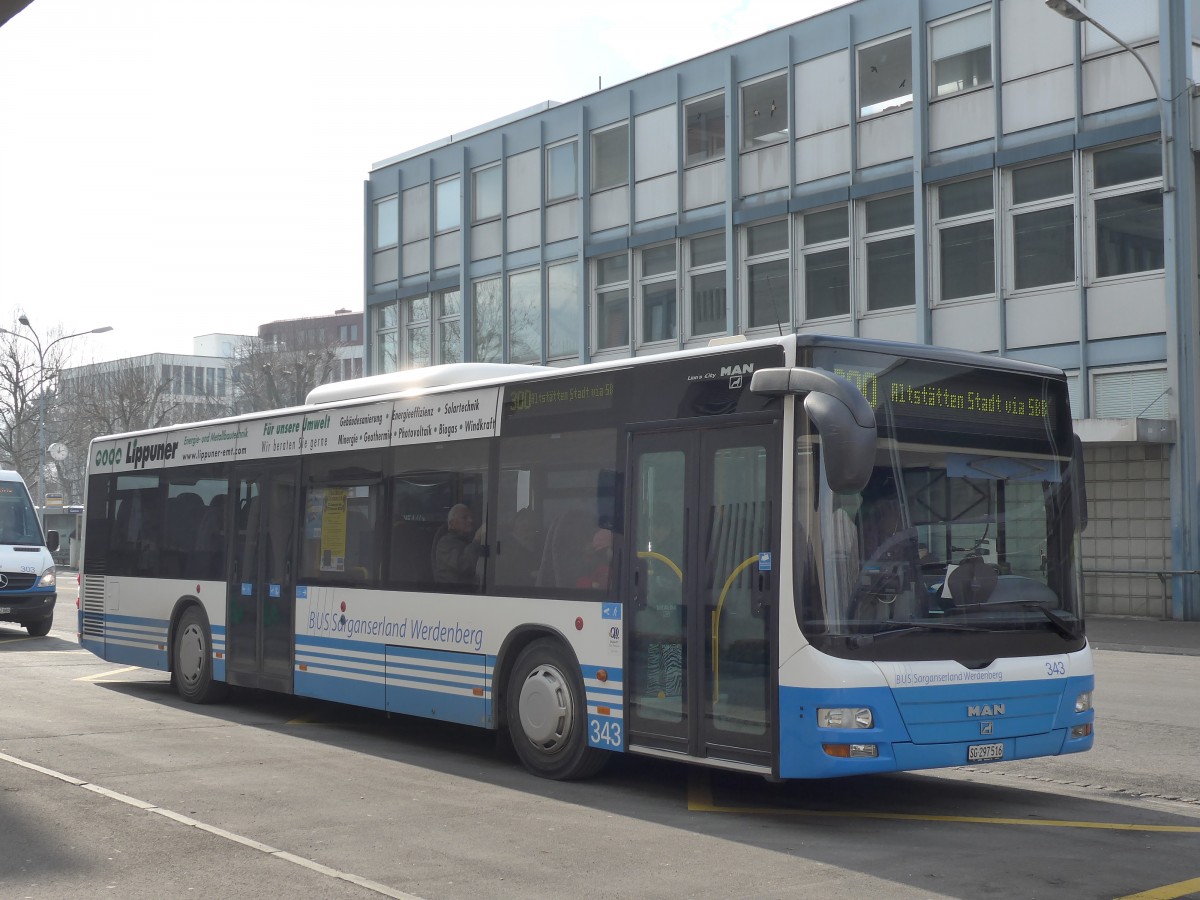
1181	270
1069	9
36	340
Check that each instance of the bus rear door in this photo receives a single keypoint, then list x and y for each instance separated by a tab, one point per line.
260	635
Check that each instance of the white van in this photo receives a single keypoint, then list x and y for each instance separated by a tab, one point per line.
27	585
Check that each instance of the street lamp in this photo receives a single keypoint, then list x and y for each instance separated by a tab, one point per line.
36	340
1069	9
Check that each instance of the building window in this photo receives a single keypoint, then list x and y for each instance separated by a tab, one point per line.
487	317
610	157
885	75
486	194
562	310
448	211
1042	223
561	166
415	313
960	52
612	301
706	285
704	129
764	112
387	340
656	283
448	305
889	256
1131	394
387	225
1127	209
966	238
220	382
525	317
767	274
826	260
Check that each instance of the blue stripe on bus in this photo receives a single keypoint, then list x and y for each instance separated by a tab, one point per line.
337	643
466	710
396	675
144	657
460	704
339	689
606	692
935	737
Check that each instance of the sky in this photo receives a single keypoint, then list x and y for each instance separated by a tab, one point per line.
175	168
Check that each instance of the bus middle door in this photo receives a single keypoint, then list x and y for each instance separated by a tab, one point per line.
260	634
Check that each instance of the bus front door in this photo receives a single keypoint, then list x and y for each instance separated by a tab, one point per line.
701	585
260	632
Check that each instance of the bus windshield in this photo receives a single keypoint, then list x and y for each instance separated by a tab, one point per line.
948	541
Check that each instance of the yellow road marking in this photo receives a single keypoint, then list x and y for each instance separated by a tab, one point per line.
1168	891
102	675
700	800
306	719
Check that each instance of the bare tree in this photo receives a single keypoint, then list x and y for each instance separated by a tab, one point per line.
116	397
275	375
22	382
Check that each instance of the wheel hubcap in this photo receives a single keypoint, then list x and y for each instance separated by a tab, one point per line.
191	654
546	709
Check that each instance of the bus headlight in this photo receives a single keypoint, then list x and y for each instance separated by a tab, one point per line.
47	580
1083	702
845	718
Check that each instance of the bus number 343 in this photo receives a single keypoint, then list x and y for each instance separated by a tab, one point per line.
606	734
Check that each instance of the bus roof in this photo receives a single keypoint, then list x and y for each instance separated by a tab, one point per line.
455	376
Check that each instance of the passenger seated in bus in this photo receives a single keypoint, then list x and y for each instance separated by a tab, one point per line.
597	554
458	550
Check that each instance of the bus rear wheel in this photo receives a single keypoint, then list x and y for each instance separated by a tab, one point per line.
192	670
547	714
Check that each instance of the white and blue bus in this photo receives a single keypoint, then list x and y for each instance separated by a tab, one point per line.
800	557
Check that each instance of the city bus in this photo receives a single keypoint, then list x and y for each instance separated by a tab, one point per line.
801	557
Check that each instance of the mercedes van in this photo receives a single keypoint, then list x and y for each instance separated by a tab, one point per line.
27	584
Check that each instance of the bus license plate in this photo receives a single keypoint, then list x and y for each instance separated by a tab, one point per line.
4	610
984	752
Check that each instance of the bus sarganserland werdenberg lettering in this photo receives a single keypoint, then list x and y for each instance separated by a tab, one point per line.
801	557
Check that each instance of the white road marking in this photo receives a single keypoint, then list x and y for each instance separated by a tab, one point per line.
381	889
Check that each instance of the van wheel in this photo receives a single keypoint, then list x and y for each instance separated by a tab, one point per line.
40	628
547	714
192	671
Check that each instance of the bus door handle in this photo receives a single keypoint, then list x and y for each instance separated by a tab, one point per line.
760	593
640	576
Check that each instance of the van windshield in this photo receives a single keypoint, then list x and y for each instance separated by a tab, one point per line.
18	521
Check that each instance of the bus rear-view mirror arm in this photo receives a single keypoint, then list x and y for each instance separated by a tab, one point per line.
842	416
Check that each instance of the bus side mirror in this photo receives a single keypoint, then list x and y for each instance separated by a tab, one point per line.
51	540
844	419
849	456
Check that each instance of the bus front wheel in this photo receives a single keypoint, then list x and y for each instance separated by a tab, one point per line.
192	671
547	714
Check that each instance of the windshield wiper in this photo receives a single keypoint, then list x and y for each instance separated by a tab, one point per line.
860	640
1061	625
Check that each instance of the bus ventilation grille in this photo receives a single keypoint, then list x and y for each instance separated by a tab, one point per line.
93	606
